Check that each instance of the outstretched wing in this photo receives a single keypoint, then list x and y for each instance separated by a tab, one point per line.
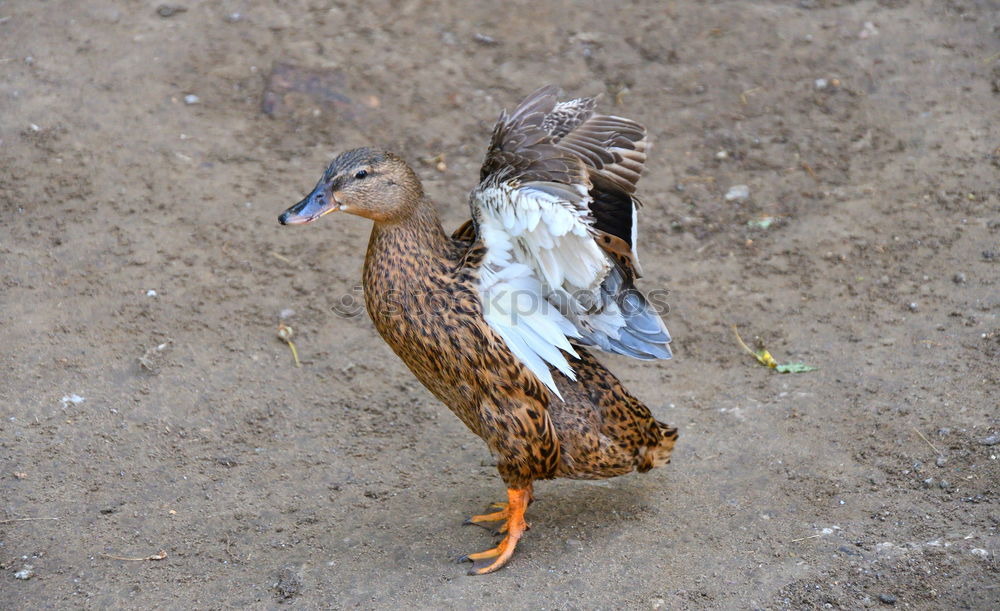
556	212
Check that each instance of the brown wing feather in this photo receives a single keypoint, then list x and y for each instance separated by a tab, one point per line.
613	147
466	232
522	149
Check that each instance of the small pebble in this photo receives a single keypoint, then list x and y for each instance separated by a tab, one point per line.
151	293
992	440
941	461
737	193
822	83
888	599
169	10
484	39
234	17
73	398
26	573
191	99
573	544
722	155
944	484
928	482
958	278
286	313
912	306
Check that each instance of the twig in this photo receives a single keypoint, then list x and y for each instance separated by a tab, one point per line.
24	520
742	343
161	556
940	453
743	96
281	257
809	170
804	538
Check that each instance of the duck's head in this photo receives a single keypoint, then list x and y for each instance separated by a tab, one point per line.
367	182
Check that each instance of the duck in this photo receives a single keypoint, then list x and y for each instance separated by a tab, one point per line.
500	320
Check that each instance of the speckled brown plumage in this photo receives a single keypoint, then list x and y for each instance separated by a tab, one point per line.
421	292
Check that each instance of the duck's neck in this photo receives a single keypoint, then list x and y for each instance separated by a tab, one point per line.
414	241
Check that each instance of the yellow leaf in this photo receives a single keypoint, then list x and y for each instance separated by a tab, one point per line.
764	358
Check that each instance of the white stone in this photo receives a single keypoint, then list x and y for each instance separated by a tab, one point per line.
737	193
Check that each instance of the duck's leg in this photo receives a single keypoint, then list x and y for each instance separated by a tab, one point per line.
514	525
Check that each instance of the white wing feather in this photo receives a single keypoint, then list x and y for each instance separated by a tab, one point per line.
540	253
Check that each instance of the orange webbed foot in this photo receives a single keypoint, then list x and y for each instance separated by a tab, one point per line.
514	525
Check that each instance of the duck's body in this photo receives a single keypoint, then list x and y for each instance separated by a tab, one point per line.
421	292
452	307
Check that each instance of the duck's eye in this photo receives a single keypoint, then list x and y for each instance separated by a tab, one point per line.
361	174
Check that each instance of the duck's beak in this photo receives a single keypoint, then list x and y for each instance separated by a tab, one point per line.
315	205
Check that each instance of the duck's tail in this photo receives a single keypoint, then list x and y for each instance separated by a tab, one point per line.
658	454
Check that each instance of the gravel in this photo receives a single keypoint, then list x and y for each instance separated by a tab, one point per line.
737	193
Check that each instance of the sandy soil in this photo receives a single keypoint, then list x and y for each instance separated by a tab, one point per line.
870	482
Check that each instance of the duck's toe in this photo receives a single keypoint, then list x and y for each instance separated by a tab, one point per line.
512	513
496	516
493	559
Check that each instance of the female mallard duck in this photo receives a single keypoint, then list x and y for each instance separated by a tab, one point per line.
497	319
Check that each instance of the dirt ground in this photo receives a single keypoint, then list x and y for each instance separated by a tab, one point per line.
148	405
